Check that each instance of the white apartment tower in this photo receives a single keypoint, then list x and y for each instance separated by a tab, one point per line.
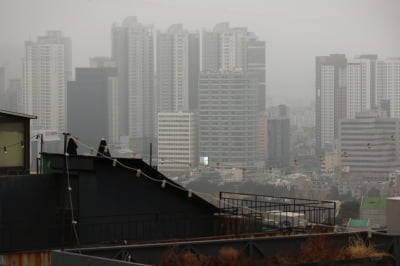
330	97
133	52
173	69
46	70
388	84
225	48
177	143
358	86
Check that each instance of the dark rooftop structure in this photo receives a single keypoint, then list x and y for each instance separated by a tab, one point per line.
14	142
114	211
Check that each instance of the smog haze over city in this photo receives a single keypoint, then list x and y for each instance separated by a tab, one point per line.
295	31
215	92
131	121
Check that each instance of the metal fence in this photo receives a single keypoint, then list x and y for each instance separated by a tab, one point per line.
247	213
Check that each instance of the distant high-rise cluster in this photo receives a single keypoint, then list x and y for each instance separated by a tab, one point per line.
345	87
185	93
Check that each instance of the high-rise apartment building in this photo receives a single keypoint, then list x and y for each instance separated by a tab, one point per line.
177	143
330	97
388	85
228	49
360	87
46	70
133	52
228	117
173	69
369	145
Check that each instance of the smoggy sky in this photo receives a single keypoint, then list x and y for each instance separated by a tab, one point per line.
295	31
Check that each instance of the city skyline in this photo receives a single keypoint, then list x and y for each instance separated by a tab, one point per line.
294	31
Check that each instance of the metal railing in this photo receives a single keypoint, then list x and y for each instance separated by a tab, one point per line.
248	213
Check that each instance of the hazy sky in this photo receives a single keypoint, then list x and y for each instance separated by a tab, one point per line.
295	30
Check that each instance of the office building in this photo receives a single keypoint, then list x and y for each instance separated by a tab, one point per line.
369	145
91	101
46	70
278	136
177	143
133	52
330	97
228	118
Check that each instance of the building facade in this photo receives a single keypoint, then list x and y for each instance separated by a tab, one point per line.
173	69
330	97
177	143
46	70
359	86
369	145
133	52
388	84
228	118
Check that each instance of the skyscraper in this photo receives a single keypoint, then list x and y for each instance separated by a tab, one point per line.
360	84
173	69
46	70
388	85
133	52
330	97
224	48
236	49
228	117
89	104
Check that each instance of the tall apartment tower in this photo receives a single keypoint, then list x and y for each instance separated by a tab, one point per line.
133	52
236	49
388	85
330	97
173	69
369	145
228	117
46	70
89	104
360	84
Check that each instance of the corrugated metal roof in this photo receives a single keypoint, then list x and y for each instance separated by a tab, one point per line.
10	113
